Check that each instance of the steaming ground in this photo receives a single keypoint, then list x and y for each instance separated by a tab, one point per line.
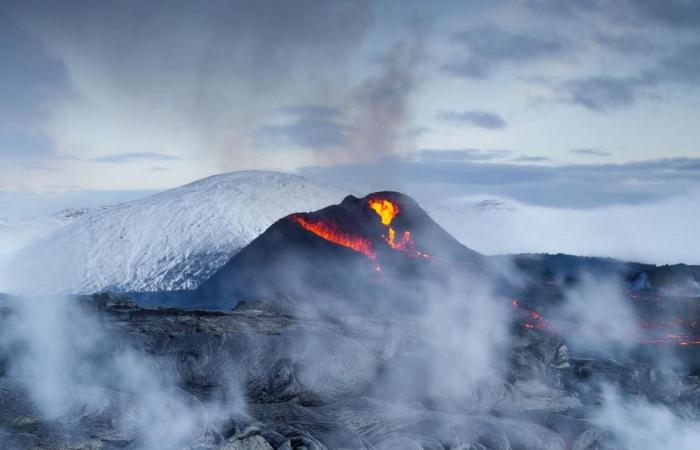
101	373
84	382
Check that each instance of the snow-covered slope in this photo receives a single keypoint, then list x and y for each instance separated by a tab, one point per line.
172	240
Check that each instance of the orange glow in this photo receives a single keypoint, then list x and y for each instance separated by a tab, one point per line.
533	320
330	232
385	208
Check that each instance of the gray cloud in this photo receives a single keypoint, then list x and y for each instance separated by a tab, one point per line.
190	77
312	127
465	154
135	157
488	47
477	118
682	66
30	75
562	8
570	186
640	13
313	111
603	93
29	80
625	42
159	169
674	13
662	35
528	158
225	36
590	152
16	145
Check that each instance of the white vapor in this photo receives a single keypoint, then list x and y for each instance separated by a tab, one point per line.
596	317
73	364
638	424
597	320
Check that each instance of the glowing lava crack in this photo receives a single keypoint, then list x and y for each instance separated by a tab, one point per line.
330	232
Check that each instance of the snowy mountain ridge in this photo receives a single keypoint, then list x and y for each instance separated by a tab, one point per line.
171	240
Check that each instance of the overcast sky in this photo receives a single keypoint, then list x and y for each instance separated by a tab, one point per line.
568	103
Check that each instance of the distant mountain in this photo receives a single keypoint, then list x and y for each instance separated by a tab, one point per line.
172	240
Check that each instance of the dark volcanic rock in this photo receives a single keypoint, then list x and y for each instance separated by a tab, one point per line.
310	382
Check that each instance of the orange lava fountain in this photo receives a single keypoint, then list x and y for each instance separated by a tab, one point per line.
387	210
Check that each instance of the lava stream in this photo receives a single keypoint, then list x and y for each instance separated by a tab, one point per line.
330	232
533	320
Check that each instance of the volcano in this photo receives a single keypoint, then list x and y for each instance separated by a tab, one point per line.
367	249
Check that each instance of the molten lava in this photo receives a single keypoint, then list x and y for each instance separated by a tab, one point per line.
531	320
387	210
330	232
661	332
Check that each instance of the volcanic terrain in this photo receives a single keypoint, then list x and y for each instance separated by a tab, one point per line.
363	325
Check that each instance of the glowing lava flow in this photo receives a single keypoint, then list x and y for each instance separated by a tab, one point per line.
387	210
533	320
330	232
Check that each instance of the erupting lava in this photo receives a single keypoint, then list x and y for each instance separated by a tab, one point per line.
387	210
330	232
